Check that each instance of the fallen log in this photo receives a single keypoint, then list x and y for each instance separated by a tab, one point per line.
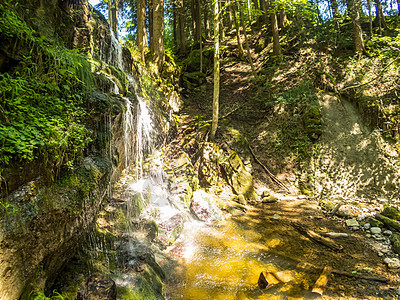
322	280
317	238
390	223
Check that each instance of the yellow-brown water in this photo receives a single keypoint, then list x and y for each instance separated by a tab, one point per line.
225	261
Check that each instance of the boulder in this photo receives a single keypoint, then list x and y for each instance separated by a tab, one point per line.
204	207
238	177
395	239
208	167
391	213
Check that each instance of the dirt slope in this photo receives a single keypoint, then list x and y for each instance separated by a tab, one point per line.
353	162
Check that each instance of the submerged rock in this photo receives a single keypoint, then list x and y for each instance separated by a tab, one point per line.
204	207
97	287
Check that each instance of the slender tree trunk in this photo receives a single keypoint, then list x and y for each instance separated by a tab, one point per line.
253	70
256	6
181	24
282	19
194	20
380	18
264	15
141	27
214	124
158	34
240	47
150	9
230	19
206	21
277	50
113	7
201	37
221	21
357	31
174	24
371	32
249	10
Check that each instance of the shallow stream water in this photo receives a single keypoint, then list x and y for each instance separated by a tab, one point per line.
224	261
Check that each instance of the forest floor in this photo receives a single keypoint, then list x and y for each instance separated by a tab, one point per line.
351	156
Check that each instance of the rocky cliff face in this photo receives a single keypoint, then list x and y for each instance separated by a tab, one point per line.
42	221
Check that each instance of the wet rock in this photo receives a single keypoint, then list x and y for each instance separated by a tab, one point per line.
344	213
208	167
368	235
378	237
367	226
238	177
392	263
387	232
276	217
97	287
392	213
375	230
336	234
352	223
270	199
395	240
204	207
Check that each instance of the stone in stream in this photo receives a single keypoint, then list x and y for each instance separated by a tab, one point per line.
203	205
352	223
367	226
336	234
276	217
387	232
375	230
392	263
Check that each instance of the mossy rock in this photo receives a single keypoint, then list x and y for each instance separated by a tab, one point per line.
374	222
389	223
395	239
192	62
327	205
261	44
313	123
391	212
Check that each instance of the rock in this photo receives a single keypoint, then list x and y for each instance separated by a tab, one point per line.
203	205
327	205
97	287
378	237
301	197
392	263
368	235
374	222
375	230
336	234
391	213
344	213
239	199
208	168
398	292
387	232
276	217
352	223
395	240
392	224
270	199
380	254
238	177
367	226
265	194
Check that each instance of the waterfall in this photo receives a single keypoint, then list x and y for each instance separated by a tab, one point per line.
115	57
129	131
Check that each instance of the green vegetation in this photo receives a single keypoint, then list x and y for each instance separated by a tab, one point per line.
42	98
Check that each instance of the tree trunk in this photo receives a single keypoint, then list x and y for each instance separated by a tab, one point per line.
249	10
230	19
371	33
277	51
264	16
150	9
141	27
253	70
113	6
282	19
240	47
380	18
196	19
256	6
158	34
206	21
181	24
221	21
214	124
174	25
357	31
201	37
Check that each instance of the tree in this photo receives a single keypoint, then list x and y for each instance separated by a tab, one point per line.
240	46
244	27
277	50
113	10
380	18
357	31
181	25
215	105
141	27
157	46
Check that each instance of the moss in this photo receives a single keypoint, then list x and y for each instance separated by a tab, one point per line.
374	222
395	239
313	123
326	204
391	213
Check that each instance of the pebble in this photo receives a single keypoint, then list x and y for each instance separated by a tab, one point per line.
380	254
387	232
368	235
378	237
360	218
392	263
276	217
367	226
352	223
355	228
375	230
